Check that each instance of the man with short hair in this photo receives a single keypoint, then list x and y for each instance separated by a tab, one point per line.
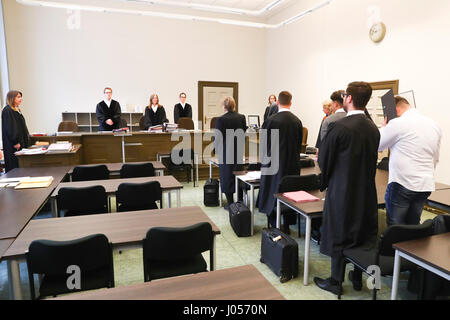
182	109
414	142
348	158
337	110
108	112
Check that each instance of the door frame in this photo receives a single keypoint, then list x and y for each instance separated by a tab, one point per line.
216	84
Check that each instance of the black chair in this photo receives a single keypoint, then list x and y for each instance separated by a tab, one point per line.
171	252
183	166
138	196
123	123
51	259
89	173
69	126
82	201
382	255
384	164
137	170
142	123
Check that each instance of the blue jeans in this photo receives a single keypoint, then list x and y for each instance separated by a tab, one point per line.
404	206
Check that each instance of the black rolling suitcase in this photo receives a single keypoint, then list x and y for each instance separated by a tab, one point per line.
280	253
211	193
240	219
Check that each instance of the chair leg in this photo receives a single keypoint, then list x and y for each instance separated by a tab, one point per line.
374	295
299	224
342	277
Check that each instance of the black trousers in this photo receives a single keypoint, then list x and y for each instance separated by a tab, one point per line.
336	270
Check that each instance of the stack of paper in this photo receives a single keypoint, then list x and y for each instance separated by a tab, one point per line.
170	127
251	176
60	147
11	182
300	196
158	128
35	182
31	151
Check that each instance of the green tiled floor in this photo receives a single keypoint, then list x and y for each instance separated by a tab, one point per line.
233	251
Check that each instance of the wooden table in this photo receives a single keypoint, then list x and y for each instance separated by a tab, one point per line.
124	230
431	253
168	184
114	168
51	159
441	199
239	283
4	245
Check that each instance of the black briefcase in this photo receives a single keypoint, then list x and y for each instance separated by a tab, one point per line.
240	219
280	253
211	193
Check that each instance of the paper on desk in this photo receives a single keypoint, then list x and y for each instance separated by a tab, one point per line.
17	179
300	196
252	175
32	151
35	182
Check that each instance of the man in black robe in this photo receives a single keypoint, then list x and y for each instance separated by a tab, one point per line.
229	147
108	112
347	158
182	109
286	157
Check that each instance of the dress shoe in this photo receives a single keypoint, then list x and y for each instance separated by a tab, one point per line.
328	284
227	207
315	236
357	284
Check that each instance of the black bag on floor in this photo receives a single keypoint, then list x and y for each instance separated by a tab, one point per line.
211	193
307	163
280	253
240	219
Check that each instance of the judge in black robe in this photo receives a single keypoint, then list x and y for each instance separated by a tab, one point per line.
182	109
14	131
272	100
270	111
104	113
154	118
347	159
234	121
289	144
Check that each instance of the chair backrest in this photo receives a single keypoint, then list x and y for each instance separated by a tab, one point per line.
297	183
186	123
123	123
163	244
213	123
304	140
180	153
138	196
441	224
68	126
401	233
82	201
384	164
137	170
142	123
52	258
254	167
89	173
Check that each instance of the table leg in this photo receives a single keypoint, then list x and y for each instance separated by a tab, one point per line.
196	170
251	208
220	195
210	169
54	207
236	182
123	149
179	198
213	266
396	275
169	200
14	280
307	245
278	224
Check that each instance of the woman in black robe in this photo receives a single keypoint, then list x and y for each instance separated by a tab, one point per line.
15	134
155	114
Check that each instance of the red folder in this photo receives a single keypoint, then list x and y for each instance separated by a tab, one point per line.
300	196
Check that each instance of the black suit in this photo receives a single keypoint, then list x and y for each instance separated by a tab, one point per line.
154	118
104	113
180	112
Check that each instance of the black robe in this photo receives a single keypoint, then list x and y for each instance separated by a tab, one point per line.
266	113
235	121
270	111
348	158
290	134
180	112
154	118
14	131
104	113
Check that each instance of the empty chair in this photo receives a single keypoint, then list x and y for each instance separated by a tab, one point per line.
304	140
68	126
82	201
170	252
89	173
138	196
142	123
186	123
213	123
123	123
382	255
52	259
187	165
137	170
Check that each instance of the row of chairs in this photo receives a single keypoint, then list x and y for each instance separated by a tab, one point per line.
167	252
101	172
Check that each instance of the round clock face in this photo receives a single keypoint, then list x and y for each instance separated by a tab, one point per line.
377	32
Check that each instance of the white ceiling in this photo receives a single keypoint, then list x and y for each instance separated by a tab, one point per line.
253	5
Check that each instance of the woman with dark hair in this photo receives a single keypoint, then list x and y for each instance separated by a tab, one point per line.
15	134
154	113
272	101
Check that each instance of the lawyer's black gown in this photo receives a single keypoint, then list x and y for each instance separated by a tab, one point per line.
14	131
347	158
104	113
235	121
290	142
180	112
154	118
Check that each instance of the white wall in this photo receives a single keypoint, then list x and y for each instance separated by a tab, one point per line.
59	70
329	48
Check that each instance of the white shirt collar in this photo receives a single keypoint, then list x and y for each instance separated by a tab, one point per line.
281	109
355	112
183	104
154	108
339	110
108	102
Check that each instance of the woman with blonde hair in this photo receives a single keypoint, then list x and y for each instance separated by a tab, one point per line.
272	103
326	108
154	113
14	129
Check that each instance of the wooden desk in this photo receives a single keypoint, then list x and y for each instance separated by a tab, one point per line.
442	186
51	159
124	230
431	253
4	245
239	283
441	198
168	184
114	168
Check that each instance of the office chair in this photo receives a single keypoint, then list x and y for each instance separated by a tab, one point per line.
137	170
142	123
382	255
304	140
68	126
51	259
186	123
123	123
90	173
171	252
82	201
138	196
213	123
184	166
